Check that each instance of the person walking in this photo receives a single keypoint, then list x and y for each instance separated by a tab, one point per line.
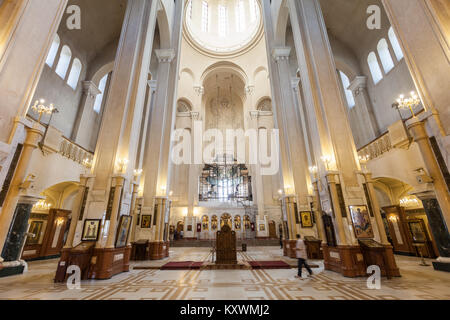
302	256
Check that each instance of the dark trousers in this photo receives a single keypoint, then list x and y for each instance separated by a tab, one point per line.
301	263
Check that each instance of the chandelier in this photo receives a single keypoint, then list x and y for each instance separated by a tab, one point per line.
409	201
409	103
42	109
42	205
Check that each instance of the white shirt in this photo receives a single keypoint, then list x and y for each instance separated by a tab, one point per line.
301	249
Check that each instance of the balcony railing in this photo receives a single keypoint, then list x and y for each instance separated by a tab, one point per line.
376	148
71	150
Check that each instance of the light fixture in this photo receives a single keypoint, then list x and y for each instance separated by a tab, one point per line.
171	193
42	109
409	201
122	164
87	163
280	191
42	205
364	159
59	221
409	103
195	211
393	218
313	170
137	172
326	159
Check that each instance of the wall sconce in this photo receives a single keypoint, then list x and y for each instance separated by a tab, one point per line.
171	193
122	165
141	191
185	212
289	189
137	172
313	170
87	163
364	159
326	159
280	192
42	205
195	211
59	222
393	218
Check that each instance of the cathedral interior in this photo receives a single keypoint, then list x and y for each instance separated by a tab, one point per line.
178	147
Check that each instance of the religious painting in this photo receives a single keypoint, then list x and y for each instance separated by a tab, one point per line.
189	227
262	227
122	231
417	231
91	230
306	219
214	223
237	223
361	222
35	228
146	221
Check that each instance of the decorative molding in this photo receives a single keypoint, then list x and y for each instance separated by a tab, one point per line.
281	53
90	89
295	83
358	85
249	90
200	90
165	55
152	84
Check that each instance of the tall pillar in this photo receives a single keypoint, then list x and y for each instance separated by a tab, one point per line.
28	37
317	208
118	182
79	206
34	135
90	92
367	122
332	139
418	25
257	181
438	209
134	211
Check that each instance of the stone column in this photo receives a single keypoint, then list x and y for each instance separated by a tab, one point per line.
133	211
90	92
376	209
367	122
338	214
417	129
79	204
28	38
34	135
258	181
417	26
318	212
118	181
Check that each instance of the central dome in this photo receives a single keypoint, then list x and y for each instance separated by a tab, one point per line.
222	27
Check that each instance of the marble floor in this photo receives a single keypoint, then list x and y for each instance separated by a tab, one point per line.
147	282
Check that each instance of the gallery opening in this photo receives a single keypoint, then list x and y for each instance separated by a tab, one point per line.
208	149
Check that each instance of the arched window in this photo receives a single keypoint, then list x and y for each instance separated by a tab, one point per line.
348	93
64	61
374	67
205	16
240	16
395	44
99	99
74	74
223	21
189	10
53	51
385	55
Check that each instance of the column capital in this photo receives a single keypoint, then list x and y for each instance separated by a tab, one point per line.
281	53
358	85
249	89
165	55
295	82
200	90
90	89
195	115
152	84
254	114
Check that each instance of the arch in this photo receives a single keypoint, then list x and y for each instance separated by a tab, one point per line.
64	61
281	14
395	44
374	67
205	223
51	56
237	222
102	71
225	66
214	222
184	105
264	104
74	74
189	72
226	218
385	55
164	25
348	93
